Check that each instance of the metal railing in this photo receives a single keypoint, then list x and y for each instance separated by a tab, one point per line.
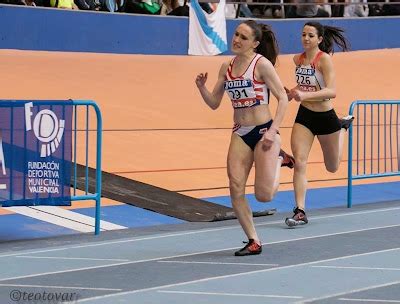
19	148
285	5
373	146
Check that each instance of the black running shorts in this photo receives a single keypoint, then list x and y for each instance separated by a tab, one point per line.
319	123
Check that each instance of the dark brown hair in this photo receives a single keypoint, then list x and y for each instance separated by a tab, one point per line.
330	36
268	46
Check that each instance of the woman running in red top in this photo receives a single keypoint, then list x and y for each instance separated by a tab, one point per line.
248	79
315	90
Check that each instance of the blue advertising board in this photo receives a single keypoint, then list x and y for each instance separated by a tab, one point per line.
35	153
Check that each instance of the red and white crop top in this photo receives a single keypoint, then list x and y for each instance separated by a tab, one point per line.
245	91
308	77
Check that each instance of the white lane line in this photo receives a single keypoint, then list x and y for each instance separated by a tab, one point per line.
357	267
189	254
217	263
59	287
150	238
229	294
369	300
68	258
75	216
64	218
233	275
202	231
348	292
354	213
51	218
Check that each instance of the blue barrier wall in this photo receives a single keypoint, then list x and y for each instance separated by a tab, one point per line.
79	31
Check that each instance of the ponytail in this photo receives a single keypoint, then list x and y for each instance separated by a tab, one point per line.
268	46
331	35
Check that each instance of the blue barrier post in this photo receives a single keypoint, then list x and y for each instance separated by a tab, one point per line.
374	142
96	196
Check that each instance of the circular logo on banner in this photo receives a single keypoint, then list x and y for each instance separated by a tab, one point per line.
45	126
